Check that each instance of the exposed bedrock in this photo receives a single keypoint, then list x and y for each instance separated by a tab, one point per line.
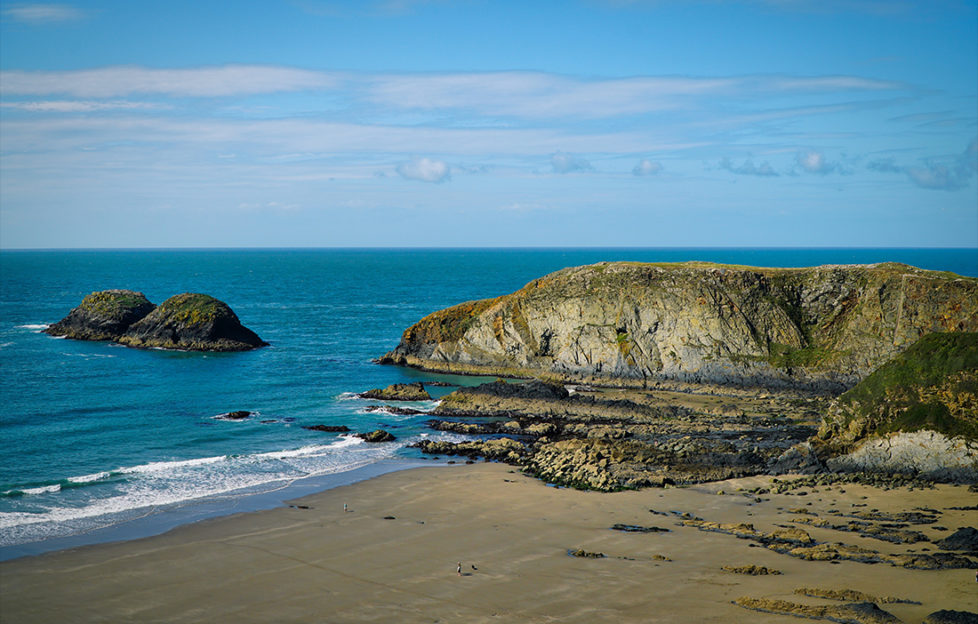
632	324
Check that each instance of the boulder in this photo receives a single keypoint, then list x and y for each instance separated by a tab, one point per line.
103	315
328	428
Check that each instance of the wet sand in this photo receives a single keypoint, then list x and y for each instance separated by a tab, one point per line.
392	557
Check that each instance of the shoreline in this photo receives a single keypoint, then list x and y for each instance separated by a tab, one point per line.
393	556
158	520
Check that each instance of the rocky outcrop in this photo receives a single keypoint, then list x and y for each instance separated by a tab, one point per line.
103	315
821	328
917	414
398	392
191	322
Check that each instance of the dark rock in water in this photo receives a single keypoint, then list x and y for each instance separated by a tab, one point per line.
235	415
103	315
398	392
949	616
193	322
328	428
965	538
440	384
376	436
751	570
391	409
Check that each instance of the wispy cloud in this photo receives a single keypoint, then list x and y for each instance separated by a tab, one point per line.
539	95
425	170
947	174
646	167
748	167
81	106
113	82
42	13
569	163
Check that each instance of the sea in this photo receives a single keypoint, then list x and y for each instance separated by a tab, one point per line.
100	442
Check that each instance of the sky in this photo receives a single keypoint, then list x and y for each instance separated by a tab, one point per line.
454	123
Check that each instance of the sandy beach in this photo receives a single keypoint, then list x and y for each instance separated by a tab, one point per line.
392	557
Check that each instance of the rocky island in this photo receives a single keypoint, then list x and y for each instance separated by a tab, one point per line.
659	374
190	321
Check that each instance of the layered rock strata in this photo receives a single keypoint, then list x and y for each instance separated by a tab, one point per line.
631	324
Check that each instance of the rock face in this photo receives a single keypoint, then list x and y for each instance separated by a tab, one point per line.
192	322
189	321
821	328
103	315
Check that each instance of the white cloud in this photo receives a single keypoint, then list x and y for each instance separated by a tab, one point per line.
199	82
42	13
568	163
814	161
425	170
749	168
646	167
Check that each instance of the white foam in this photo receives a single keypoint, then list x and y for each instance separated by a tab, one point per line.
35	327
44	489
347	396
98	476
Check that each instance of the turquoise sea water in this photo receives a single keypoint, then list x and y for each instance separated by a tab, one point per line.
96	434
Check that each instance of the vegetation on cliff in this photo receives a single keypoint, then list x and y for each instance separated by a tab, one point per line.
933	385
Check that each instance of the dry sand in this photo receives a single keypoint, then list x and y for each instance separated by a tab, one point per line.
322	564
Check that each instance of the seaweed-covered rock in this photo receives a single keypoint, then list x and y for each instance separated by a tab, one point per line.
103	315
398	392
192	322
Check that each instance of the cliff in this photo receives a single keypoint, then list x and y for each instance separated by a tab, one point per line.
189	321
632	324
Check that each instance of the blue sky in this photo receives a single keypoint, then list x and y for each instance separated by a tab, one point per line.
477	123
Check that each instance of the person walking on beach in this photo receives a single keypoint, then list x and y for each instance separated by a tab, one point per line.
459	568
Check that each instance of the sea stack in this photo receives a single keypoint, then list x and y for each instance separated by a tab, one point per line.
190	322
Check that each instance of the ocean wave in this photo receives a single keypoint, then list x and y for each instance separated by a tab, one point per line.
35	327
347	396
62	508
